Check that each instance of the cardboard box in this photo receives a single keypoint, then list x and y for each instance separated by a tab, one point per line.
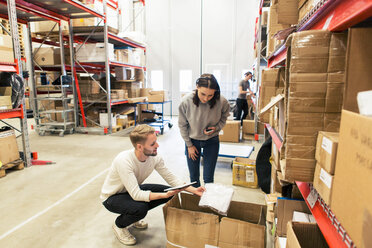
306	105
47	26
323	182
308	90
230	132
103	120
304	235
326	150
284	210
332	122
95	53
337	52
275	186
5	98
6	48
50	56
248	126
158	96
297	169
9	149
358	70
288	11
122	73
304	123
244	172
69	116
299	151
244	225
351	197
270	77
334	97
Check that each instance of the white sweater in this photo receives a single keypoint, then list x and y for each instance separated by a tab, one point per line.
127	173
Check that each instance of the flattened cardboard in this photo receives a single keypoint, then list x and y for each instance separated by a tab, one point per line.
284	210
296	169
304	235
358	66
9	149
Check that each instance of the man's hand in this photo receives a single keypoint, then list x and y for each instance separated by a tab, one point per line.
213	129
172	193
193	152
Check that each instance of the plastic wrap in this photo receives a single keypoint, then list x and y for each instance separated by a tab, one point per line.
217	197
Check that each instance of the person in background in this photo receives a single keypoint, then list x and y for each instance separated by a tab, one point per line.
202	114
123	191
241	101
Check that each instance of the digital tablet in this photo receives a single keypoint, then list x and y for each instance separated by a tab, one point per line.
181	186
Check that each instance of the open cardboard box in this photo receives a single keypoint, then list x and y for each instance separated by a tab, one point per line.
188	225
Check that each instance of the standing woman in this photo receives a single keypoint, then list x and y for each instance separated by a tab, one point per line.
202	114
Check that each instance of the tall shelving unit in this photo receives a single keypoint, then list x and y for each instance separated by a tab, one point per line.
333	15
67	10
8	10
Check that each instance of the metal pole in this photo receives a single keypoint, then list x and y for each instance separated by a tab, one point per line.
72	60
107	69
258	81
17	55
62	50
33	81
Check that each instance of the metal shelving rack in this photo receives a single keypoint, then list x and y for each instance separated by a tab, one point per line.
8	9
57	10
333	15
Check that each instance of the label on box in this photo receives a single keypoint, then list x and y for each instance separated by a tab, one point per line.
326	178
249	176
327	145
312	198
221	132
210	246
1	41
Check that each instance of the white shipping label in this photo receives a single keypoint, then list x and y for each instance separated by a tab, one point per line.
210	246
312	198
327	145
326	178
221	132
1	41
249	176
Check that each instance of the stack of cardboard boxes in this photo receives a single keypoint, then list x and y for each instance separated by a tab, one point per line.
5	98
272	83
351	189
314	93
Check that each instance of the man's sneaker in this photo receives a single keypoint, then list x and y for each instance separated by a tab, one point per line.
124	236
140	224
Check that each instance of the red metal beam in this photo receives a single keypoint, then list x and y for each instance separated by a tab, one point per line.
119	102
330	233
127	42
278	59
275	137
18	19
11	113
345	14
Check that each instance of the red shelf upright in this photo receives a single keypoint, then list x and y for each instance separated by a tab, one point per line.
278	141
331	228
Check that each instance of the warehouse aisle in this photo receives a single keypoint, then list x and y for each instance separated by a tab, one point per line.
58	205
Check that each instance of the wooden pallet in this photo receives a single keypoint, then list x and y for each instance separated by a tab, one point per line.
15	165
116	129
130	123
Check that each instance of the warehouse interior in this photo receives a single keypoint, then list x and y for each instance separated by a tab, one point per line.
272	96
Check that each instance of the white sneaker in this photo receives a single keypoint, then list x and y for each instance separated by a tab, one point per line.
140	224
124	236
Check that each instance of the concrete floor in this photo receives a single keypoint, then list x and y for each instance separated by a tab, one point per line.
58	205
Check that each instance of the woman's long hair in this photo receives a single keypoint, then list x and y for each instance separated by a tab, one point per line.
208	81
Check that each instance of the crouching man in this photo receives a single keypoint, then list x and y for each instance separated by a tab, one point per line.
123	192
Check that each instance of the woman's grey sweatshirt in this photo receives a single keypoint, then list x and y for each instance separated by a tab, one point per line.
193	120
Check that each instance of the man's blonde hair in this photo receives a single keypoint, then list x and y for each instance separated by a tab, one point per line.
140	133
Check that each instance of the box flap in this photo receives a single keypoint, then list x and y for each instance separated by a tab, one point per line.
190	228
239	234
249	212
273	101
285	209
304	235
